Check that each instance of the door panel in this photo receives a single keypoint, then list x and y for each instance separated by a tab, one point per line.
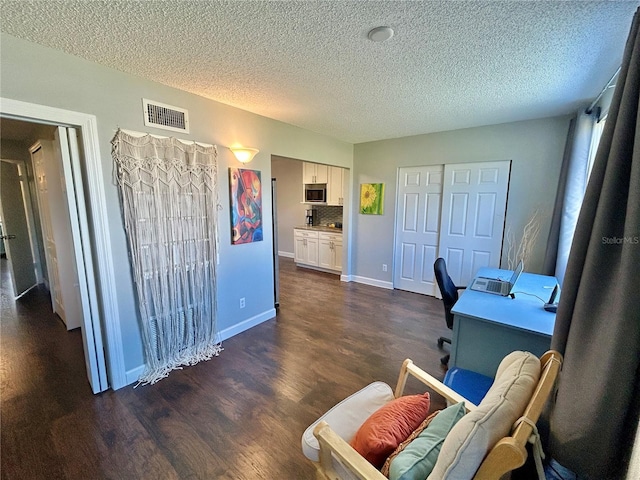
324	249
15	229
417	228
312	251
408	261
65	242
474	208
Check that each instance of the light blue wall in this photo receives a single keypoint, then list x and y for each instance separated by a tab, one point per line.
535	147
40	75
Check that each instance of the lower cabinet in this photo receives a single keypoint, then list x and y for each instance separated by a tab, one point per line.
330	255
318	249
306	247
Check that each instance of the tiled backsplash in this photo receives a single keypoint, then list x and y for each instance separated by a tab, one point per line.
328	214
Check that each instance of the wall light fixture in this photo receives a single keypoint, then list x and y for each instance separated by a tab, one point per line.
244	155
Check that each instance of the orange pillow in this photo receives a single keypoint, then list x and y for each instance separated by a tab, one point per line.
389	426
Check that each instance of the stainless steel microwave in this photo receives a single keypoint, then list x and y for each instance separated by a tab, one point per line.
315	193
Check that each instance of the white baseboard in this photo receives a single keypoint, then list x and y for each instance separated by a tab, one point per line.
133	375
285	254
247	324
372	281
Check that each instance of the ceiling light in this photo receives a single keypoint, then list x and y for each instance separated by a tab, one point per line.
244	155
380	34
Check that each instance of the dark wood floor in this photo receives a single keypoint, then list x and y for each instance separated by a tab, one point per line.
237	416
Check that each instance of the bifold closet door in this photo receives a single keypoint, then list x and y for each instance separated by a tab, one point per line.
474	205
417	228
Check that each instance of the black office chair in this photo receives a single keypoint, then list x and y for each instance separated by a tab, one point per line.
449	293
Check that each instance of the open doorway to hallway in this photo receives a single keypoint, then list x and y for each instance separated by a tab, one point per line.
41	246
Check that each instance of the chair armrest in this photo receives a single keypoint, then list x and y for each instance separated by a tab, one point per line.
409	368
331	445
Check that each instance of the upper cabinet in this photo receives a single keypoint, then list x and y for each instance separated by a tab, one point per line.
315	173
335	186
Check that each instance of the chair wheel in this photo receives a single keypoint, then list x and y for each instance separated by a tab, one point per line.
440	343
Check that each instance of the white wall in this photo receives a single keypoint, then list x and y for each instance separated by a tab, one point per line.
40	75
535	148
291	212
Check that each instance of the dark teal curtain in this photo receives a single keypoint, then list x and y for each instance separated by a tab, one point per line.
595	413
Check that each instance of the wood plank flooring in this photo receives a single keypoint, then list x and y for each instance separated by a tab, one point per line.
237	416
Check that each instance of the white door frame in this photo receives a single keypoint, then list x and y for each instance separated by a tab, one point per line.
104	310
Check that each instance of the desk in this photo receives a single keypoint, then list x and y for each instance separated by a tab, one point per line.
488	327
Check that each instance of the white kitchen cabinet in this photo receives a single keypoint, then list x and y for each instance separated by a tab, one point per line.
335	186
315	173
305	247
319	250
330	251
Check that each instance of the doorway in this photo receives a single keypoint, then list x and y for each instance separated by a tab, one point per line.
18	228
94	352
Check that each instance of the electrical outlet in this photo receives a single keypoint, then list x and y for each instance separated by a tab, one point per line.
242	302
384	267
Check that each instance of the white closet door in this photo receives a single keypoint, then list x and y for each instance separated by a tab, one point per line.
42	164
69	285
474	203
417	228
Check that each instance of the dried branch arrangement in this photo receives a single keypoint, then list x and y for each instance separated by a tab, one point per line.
523	249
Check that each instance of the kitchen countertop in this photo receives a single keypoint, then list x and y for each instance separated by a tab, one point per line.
320	228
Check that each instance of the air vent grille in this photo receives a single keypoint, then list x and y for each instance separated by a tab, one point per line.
163	116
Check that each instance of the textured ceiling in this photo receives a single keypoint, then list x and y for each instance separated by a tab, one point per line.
450	64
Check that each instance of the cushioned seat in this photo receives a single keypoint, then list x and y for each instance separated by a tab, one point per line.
471	385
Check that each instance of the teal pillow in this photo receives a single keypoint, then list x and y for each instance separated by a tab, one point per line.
418	458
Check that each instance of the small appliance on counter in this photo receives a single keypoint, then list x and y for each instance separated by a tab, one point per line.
312	217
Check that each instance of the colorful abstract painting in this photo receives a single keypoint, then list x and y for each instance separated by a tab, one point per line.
372	198
246	205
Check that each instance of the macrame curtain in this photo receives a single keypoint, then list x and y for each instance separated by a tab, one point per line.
169	201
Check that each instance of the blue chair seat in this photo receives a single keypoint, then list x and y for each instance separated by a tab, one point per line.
471	385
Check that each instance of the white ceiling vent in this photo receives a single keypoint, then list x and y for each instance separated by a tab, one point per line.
168	117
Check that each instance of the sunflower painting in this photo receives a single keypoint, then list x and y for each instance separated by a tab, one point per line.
372	198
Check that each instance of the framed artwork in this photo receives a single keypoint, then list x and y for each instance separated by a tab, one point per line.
245	189
372	198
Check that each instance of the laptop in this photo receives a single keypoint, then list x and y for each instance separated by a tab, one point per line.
497	286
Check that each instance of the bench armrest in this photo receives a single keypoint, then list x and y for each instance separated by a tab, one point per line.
331	445
409	368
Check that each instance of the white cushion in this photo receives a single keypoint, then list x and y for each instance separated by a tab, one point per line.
347	416
471	439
